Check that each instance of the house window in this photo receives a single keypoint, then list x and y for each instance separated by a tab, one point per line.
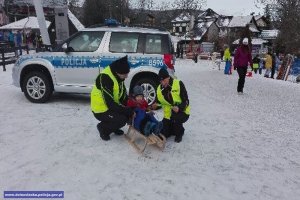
177	30
184	29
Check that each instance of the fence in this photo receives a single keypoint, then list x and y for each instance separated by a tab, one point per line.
10	54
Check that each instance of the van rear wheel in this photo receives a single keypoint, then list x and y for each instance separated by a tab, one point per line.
150	87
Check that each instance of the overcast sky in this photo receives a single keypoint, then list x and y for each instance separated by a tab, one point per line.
228	7
234	7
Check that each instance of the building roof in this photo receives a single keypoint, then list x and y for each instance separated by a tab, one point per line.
253	29
199	31
240	21
28	22
208	14
257	17
183	17
223	21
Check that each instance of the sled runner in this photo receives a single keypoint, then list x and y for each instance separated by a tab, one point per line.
140	141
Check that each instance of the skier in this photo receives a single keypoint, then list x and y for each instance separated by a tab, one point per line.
172	95
242	59
109	97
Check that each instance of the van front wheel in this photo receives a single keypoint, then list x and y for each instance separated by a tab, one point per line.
37	87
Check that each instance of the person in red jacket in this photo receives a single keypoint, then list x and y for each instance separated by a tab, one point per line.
242	59
144	121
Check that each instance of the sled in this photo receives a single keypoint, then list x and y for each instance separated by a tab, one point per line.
140	141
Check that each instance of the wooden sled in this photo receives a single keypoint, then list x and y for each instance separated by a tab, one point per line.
140	141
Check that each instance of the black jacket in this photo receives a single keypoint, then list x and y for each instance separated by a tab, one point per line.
166	92
256	60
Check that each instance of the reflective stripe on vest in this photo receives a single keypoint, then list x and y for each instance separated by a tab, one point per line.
167	107
98	104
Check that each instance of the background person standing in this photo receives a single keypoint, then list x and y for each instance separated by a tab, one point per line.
269	64
227	59
19	41
242	59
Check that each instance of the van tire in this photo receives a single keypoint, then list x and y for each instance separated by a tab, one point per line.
150	87
37	87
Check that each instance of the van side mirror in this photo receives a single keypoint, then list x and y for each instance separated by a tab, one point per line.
64	47
67	49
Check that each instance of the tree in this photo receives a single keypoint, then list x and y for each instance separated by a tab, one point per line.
96	11
289	24
286	15
189	5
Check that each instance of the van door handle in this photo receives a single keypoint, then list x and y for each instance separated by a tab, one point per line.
94	60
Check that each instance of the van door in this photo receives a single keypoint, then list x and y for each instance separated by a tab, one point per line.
78	65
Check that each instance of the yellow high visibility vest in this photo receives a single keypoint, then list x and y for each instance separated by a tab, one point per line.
175	92
98	104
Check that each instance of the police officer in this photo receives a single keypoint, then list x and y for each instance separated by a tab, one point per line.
173	97
108	98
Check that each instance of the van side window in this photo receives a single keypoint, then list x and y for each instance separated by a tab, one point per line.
86	41
153	44
121	42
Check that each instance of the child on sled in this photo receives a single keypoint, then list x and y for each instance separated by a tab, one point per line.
144	121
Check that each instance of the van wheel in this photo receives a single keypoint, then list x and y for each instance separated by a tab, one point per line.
37	87
150	87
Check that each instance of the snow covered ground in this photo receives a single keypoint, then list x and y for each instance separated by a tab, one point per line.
240	147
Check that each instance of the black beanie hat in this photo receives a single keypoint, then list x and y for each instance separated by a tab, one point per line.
120	66
163	73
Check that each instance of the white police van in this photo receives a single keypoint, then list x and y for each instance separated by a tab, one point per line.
73	66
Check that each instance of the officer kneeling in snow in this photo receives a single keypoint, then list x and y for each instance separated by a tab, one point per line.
109	97
172	95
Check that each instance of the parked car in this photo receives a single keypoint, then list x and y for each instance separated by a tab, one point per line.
205	56
73	66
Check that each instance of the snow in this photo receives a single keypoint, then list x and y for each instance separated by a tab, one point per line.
223	21
183	17
28	22
235	146
240	21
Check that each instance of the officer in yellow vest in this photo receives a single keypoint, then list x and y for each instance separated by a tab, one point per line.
173	97
109	97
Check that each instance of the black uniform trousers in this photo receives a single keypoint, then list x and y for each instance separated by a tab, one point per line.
111	121
174	125
242	71
273	71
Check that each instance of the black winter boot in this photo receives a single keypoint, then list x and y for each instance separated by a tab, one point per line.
179	134
102	133
119	132
178	138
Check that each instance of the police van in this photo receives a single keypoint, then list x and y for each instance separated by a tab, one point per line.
73	66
